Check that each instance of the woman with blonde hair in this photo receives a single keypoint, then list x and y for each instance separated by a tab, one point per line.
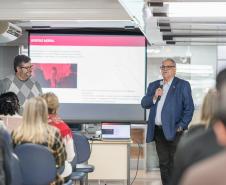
209	107
35	129
66	134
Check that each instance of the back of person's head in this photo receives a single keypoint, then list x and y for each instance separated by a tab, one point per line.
209	106
219	126
221	89
221	109
35	111
52	102
35	126
221	97
221	80
19	59
9	104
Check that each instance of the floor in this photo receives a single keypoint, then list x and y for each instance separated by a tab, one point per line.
143	178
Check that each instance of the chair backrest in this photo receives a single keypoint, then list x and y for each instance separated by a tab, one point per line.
5	157
37	164
82	148
17	178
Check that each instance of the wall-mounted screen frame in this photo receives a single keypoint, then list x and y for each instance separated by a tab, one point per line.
98	75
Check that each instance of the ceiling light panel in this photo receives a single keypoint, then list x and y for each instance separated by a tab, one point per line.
196	9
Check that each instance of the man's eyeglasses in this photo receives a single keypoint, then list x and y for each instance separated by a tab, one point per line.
166	67
27	67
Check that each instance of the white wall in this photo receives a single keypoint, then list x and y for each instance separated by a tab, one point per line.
201	71
7	54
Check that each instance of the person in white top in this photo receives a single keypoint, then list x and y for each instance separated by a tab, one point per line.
9	108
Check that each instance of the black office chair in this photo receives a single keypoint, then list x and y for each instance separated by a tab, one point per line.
76	175
10	161
16	171
37	163
82	150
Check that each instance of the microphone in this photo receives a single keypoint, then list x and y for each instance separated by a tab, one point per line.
160	86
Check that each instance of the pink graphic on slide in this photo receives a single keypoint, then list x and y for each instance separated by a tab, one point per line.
56	75
84	40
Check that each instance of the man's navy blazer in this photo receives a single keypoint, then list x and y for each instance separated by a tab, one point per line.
177	110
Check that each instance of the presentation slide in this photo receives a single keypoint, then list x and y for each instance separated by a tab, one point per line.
88	71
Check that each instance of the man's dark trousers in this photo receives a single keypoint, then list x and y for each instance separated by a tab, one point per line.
165	150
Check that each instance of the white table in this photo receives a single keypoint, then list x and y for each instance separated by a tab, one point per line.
111	160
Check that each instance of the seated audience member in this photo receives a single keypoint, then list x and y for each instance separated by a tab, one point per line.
209	107
198	143
9	108
35	129
212	170
207	111
55	120
6	170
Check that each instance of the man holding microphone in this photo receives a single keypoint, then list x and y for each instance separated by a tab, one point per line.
171	110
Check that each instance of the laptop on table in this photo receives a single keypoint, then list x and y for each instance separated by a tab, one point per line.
116	131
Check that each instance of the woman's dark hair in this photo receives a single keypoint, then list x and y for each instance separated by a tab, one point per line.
9	103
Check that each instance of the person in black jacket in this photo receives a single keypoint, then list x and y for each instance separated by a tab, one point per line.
201	144
212	170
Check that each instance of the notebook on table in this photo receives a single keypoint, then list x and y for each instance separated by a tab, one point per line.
115	131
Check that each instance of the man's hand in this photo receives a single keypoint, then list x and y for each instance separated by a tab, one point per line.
158	92
180	129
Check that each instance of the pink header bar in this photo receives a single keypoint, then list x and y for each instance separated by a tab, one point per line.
70	40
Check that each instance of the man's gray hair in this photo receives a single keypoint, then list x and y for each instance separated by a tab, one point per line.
171	60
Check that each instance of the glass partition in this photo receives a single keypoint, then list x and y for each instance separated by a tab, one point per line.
196	64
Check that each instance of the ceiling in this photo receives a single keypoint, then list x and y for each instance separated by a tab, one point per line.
161	29
151	16
54	14
28	10
188	30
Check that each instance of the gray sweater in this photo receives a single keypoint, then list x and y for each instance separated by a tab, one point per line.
23	89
